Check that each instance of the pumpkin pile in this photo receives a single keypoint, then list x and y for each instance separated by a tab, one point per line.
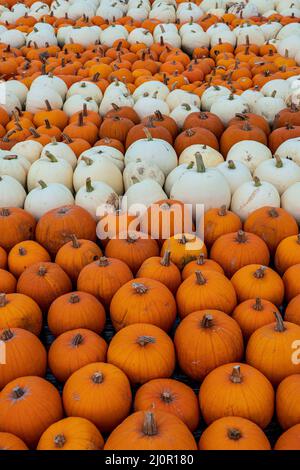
149	225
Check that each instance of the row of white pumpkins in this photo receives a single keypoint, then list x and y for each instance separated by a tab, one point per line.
149	171
189	36
149	97
249	8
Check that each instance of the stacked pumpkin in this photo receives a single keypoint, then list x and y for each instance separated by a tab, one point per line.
149	179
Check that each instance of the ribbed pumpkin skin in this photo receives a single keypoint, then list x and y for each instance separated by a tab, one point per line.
254	281
10	442
253	314
73	350
235	250
143	300
16	225
25	254
44	282
76	310
215	341
214	291
200	263
20	311
216	437
169	274
292	312
3	258
57	225
8	282
272	225
25	355
30	415
143	352
103	279
288	401
270	351
172	434
248	394
291	282
170	396
218	222
287	253
99	392
289	440
71	434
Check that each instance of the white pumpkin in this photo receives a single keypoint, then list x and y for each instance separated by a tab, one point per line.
164	28
249	152
12	193
104	151
99	169
37	96
174	175
13	38
40	38
29	149
8	100
79	8
263	5
188	10
86	90
290	201
163	13
249	33
270	29
201	186
289	46
112	33
141	195
75	103
15	166
50	170
251	97
281	172
47	197
152	150
147	106
235	173
17	88
61	151
86	35
210	156
289	30
181	112
253	195
52	82
268	107
187	27
211	95
217	28
223	37
93	196
290	149
284	4
151	89
226	107
120	98
280	86
139	170
193	39
140	35
177	97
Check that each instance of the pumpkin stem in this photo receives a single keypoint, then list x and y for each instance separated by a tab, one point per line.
207	321
199	163
234	434
47	124
158	116
17	393
165	261
273	212
147	134
149	425
88	185
200	260
166	397
260	272
42	271
88	161
279	323
257	182
42	184
59	440
97	377
74	299
200	278
6	335
144	340
77	340
258	305
222	211
3	299
115	107
22	251
51	157
279	163
139	287
189	132
241	236
103	261
74	240
236	376
5	212
48	105
231	165
80	120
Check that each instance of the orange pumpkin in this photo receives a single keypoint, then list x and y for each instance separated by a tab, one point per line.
287	253
20	311
163	270
206	339
184	247
25	254
170	396
16	225
254	313
201	263
8	282
287	401
11	442
111	394
3	258
292	311
291	282
218	222
289	440
73	350
138	350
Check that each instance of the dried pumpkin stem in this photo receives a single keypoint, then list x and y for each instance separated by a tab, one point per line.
77	340
149	425
200	259
74	240
279	323
5	212
231	165
273	212
258	306
42	271
166	397
103	261
74	299
139	287
207	321
3	299
236	376
59	440
199	163
200	278
144	340
260	272
18	392
22	251
88	185
234	434
6	335
42	184
165	261
97	377
222	211
241	237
